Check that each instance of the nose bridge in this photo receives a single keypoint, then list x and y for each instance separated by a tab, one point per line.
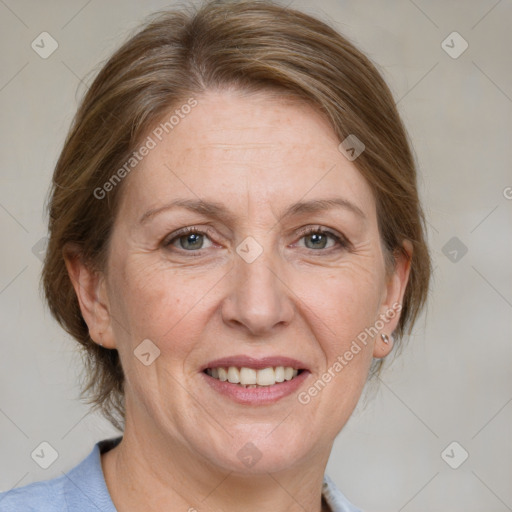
259	299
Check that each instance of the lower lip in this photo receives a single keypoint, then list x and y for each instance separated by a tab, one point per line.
257	396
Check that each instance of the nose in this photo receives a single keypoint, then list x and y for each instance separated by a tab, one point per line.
259	300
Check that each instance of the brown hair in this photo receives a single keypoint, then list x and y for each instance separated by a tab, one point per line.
252	46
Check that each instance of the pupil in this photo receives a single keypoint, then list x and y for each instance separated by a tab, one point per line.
317	239
193	238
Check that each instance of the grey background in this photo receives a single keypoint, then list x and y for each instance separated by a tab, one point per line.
452	383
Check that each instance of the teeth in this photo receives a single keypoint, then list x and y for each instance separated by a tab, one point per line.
266	377
247	376
233	375
251	378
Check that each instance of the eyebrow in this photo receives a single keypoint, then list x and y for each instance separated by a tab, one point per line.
219	211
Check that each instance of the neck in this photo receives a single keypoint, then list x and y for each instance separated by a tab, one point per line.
154	474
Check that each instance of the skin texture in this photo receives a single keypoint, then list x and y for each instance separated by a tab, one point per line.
256	154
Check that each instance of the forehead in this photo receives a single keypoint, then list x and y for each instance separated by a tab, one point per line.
259	147
231	125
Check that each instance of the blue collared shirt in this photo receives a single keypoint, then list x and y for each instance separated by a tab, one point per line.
83	489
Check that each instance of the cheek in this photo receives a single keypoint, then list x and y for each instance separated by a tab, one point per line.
348	305
348	301
161	304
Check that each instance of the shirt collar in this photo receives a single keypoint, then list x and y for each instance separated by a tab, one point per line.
335	499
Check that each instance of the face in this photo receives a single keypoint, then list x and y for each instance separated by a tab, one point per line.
270	269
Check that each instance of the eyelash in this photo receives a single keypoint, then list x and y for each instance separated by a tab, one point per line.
342	242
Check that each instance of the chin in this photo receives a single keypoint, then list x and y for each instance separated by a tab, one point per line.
260	453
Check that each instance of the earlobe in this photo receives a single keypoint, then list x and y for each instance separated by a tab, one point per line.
383	345
90	290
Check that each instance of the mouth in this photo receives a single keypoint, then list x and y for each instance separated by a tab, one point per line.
252	381
253	378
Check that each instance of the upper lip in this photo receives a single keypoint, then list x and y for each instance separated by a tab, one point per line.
256	363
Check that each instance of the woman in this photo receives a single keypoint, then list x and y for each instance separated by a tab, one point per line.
236	241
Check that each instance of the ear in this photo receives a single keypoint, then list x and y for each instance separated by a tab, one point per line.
90	289
392	300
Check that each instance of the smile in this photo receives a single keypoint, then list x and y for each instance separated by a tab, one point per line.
254	381
252	377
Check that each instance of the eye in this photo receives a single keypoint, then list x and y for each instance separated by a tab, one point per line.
192	239
189	239
317	238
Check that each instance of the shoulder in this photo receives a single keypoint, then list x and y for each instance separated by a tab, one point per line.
81	489
45	496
